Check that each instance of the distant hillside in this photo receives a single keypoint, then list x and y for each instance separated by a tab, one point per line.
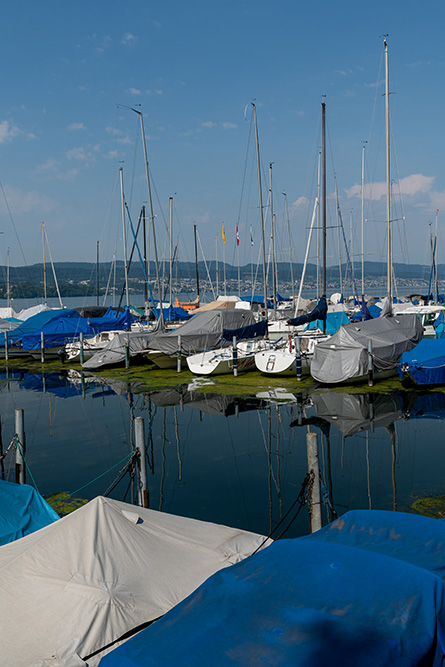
80	278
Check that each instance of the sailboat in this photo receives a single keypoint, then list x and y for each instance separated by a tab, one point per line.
282	359
373	348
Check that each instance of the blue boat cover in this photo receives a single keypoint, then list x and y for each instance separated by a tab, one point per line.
23	511
256	330
318	313
172	314
366	590
333	322
59	331
36	323
425	363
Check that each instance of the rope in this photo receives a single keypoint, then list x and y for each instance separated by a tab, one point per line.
98	477
11	444
25	461
121	473
301	499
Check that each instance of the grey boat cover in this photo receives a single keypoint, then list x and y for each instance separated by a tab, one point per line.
352	413
203	331
344	356
78	585
114	352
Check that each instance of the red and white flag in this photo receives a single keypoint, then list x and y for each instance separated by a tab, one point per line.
237	236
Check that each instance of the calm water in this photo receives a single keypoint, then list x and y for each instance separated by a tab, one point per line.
236	461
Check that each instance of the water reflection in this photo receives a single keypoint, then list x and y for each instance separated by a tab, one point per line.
236	460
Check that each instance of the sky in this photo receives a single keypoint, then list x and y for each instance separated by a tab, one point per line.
75	71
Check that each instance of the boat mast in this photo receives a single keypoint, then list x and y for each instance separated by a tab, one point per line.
44	262
8	296
363	220
216	266
171	249
272	229
97	273
323	161
290	245
388	181
196	263
124	236
435	257
261	208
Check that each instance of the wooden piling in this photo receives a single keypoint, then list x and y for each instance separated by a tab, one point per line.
315	522
20	476
139	432
178	365
370	365
235	358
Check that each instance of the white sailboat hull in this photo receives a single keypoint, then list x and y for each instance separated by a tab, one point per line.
282	360
220	361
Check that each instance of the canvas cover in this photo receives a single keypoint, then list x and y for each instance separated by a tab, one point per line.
333	322
344	356
352	413
36	323
60	331
23	511
72	588
425	363
203	331
318	313
115	350
364	591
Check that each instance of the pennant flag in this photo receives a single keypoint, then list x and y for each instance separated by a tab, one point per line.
223	234
237	235
251	235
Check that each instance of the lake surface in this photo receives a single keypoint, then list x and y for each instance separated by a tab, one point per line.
234	460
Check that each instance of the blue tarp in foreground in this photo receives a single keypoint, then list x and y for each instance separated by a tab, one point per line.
366	590
425	363
23	511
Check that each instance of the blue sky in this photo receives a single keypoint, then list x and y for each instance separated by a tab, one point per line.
193	67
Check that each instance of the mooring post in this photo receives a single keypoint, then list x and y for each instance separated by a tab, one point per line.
127	352
6	346
20	447
235	358
370	365
315	522
139	431
178	365
81	347
298	370
42	348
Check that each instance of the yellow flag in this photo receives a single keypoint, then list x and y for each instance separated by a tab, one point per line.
223	235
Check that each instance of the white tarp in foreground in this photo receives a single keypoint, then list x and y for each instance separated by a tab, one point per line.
79	584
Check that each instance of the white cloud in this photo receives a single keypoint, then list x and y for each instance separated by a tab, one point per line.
52	169
26	202
134	91
155	91
76	126
129	39
208	124
301	202
229	126
8	132
409	186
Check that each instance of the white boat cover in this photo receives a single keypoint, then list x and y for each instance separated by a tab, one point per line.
77	585
8	312
203	331
33	310
344	356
